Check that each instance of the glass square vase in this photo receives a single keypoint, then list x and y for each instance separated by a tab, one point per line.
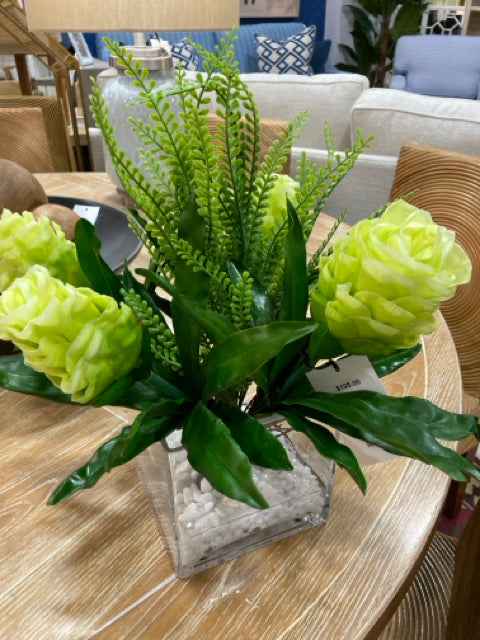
201	527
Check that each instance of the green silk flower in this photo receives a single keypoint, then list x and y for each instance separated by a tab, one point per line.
25	241
380	287
81	340
276	212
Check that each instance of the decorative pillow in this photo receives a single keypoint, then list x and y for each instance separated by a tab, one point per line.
183	52
292	55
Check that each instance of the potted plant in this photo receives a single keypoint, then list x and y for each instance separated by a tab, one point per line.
377	25
217	332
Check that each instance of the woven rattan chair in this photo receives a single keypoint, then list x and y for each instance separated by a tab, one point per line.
447	184
270	131
443	602
34	133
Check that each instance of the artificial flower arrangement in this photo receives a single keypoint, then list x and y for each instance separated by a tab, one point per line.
230	301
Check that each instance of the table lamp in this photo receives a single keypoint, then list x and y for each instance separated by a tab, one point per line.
137	16
131	15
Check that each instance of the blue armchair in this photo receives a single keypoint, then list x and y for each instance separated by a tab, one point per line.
437	65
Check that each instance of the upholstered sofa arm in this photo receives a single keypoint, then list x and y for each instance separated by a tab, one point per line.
395	117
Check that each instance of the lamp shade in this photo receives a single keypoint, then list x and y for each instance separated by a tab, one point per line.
131	15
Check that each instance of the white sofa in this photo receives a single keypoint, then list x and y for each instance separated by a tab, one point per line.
393	117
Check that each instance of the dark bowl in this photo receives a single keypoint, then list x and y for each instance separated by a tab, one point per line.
119	242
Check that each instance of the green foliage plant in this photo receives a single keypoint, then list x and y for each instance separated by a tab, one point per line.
377	25
224	304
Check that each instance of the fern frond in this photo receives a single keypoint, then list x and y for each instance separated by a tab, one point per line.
162	340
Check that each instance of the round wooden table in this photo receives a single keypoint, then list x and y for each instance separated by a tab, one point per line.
95	566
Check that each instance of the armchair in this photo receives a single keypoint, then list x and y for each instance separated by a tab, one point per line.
435	65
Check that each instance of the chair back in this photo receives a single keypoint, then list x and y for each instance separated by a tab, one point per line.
270	131
34	133
437	65
463	619
447	184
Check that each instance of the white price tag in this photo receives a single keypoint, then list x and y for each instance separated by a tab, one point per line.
354	373
90	213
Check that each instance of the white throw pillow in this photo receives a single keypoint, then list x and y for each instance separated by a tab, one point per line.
292	55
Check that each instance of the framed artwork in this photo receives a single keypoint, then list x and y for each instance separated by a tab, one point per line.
269	8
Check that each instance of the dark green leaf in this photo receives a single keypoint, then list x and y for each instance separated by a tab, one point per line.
384	365
194	284
241	354
216	326
407	21
158	280
101	278
254	438
214	453
294	301
407	425
15	375
326	444
159	305
150	426
262	309
323	345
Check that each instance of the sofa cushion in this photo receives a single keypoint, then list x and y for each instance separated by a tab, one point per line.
328	97
205	38
184	52
395	117
290	55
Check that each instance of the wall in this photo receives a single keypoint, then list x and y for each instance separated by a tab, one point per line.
338	24
311	12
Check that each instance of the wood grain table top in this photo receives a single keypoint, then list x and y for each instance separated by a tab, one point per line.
95	566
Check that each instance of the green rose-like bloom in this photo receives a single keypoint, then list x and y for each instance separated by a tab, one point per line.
380	287
81	340
25	241
284	187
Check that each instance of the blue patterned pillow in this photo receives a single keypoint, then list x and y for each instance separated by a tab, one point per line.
183	52
292	55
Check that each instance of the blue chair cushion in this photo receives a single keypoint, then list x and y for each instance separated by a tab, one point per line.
438	65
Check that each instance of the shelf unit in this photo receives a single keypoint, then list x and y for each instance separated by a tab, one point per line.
472	17
444	18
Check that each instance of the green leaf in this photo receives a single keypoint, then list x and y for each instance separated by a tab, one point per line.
191	227
323	345
254	438
384	365
294	301
150	426
216	326
295	281
241	354
407	425
158	280
325	443
194	284
159	305
262	308
101	278
214	453
407	21
15	375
